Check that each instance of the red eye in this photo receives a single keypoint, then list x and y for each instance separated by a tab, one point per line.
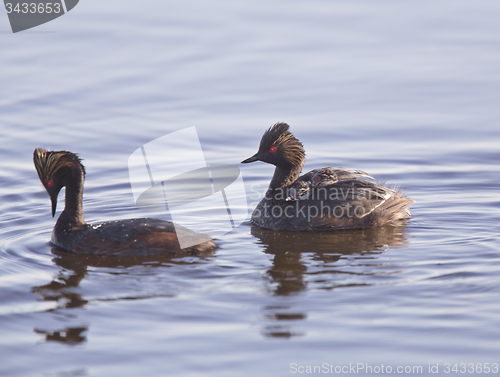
50	183
273	149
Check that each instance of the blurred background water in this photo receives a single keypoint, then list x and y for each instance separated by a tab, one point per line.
407	91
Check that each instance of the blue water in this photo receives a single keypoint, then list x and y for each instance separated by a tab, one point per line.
408	92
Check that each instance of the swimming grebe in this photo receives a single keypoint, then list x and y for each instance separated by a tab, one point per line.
132	237
323	199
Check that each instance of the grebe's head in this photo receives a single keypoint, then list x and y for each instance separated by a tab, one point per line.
56	169
279	147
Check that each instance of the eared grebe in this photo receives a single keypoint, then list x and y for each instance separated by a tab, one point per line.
133	237
323	199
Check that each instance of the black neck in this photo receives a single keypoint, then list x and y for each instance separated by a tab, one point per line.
284	177
73	209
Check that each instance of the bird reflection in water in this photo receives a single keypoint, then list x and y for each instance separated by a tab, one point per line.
65	290
308	260
69	335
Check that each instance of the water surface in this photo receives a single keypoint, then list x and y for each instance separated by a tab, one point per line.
406	92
